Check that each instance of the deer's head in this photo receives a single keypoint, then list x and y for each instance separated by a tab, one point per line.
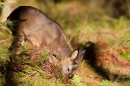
70	64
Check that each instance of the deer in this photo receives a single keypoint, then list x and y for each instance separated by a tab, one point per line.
43	33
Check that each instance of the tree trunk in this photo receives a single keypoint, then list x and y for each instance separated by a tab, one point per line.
7	9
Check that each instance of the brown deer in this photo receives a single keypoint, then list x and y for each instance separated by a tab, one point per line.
43	33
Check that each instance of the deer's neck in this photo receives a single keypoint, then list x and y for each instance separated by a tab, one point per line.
63	52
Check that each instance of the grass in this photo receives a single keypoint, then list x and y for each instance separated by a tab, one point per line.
104	83
85	23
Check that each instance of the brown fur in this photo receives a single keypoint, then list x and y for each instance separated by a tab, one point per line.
43	33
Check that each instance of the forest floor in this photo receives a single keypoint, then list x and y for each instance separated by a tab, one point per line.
105	39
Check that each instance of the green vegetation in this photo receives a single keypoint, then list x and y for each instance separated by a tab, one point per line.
126	55
81	23
104	83
77	81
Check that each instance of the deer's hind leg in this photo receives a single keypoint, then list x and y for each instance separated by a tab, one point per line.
15	47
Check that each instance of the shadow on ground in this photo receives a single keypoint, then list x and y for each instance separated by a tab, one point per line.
104	60
7	75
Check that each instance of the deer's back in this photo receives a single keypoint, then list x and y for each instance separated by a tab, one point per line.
32	18
36	25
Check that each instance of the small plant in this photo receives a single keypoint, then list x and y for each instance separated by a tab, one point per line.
26	70
42	75
77	81
104	83
11	24
45	56
125	55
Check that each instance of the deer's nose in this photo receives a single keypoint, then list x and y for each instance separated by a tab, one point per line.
71	76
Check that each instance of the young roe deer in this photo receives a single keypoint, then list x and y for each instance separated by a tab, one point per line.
43	33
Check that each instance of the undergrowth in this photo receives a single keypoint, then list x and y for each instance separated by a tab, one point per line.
81	24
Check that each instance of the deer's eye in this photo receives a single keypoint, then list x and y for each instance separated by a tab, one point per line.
68	69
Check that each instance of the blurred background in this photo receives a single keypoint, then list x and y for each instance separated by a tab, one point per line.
81	20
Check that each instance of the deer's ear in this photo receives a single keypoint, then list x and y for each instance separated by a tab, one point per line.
74	54
80	56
